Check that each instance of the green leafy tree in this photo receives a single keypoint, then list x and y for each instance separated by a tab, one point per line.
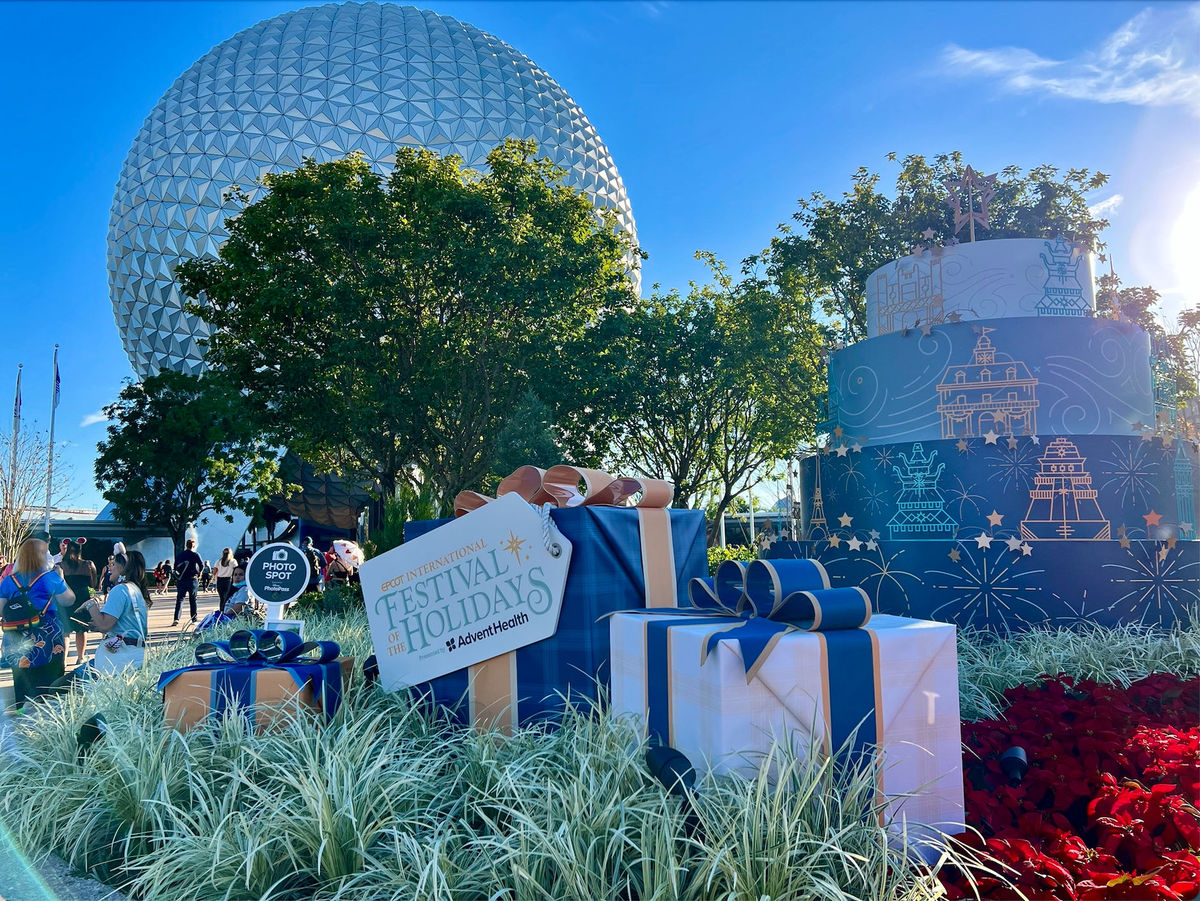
389	325
179	446
836	244
527	438
715	386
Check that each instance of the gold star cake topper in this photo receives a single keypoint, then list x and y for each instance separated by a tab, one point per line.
969	188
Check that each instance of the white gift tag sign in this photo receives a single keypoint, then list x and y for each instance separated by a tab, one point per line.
483	585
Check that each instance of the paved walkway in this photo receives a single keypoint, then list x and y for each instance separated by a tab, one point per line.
161	614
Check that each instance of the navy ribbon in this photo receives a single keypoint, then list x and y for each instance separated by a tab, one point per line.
755	605
234	665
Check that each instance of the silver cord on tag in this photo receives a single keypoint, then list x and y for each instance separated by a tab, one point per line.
551	545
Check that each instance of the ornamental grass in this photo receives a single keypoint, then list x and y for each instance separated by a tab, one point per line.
390	800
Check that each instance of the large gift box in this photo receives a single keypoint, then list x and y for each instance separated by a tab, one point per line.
723	681
623	557
269	676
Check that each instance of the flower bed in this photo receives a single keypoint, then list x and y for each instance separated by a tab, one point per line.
1107	808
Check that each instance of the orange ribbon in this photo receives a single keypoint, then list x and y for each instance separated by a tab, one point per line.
492	684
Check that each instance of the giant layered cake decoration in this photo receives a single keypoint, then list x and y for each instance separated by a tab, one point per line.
999	456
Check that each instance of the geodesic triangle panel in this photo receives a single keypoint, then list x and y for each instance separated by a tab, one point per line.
319	82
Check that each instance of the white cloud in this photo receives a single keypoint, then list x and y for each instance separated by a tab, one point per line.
93	418
1106	207
1151	60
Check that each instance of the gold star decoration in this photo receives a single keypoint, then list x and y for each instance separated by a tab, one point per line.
1124	542
834	541
972	185
1171	542
1026	550
994	518
954	554
1012	443
1162	555
961	444
845	519
838	431
990	436
513	544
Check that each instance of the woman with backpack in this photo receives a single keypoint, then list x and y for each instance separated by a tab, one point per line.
124	618
33	645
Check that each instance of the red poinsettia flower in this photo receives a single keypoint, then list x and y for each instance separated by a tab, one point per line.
1108	808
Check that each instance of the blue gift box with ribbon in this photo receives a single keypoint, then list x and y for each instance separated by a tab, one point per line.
769	653
265	674
613	548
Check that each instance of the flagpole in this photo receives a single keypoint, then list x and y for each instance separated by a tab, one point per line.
50	447
12	470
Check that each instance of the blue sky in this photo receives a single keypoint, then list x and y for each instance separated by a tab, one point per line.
718	115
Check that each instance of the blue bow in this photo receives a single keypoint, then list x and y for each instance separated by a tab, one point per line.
756	605
235	663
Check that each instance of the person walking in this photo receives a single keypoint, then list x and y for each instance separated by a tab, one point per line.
33	645
223	572
206	576
80	576
187	569
124	618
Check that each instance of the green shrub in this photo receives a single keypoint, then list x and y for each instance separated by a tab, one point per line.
335	599
718	555
408	504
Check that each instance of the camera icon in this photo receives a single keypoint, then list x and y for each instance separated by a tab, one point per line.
279	556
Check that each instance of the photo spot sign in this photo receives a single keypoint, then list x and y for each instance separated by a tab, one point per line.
478	587
277	574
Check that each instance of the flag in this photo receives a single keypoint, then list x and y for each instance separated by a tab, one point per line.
57	380
17	405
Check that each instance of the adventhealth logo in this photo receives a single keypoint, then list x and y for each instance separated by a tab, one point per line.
461	641
466	587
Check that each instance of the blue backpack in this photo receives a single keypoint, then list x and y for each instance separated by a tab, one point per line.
20	614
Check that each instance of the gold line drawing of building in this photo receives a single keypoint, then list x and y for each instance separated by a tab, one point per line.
914	297
1062	502
987	395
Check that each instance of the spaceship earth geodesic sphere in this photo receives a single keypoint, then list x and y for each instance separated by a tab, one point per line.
318	82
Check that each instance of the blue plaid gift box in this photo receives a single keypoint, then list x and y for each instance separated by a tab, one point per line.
266	675
608	573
